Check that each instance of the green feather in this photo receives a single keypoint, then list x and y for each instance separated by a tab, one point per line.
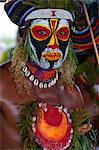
27	48
63	4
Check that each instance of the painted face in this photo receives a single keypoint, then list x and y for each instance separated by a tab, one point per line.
49	40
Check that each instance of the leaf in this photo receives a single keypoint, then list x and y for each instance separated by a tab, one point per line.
85	143
66	4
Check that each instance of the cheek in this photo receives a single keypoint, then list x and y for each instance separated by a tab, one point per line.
40	46
63	45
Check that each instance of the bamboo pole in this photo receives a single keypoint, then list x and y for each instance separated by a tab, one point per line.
91	32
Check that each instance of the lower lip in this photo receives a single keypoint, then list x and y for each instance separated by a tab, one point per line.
52	56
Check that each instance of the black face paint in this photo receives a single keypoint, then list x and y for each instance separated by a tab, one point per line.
49	42
39	45
62	46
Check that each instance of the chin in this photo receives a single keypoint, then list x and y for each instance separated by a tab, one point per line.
51	65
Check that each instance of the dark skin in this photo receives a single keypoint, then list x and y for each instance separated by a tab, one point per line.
10	100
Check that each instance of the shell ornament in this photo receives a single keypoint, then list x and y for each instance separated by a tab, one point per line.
52	127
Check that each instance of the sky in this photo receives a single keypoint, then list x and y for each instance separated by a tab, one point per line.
7	28
8	31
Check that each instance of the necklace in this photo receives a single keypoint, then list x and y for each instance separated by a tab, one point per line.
52	127
43	78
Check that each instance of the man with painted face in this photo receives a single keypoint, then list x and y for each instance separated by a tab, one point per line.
42	69
48	40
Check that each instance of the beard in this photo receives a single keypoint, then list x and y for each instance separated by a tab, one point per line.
51	58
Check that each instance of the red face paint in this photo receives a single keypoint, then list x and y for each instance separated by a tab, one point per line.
63	33
40	33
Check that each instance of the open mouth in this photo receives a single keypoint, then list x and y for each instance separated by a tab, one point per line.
52	56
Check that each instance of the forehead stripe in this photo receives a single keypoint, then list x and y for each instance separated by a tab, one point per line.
53	23
25	14
15	4
48	13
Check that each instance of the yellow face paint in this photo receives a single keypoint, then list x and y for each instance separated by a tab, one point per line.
53	43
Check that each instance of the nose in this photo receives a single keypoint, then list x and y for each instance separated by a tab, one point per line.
53	43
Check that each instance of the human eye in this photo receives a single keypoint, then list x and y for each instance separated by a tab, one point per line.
42	32
62	33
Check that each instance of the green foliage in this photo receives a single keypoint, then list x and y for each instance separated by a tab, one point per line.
92	136
92	72
85	143
65	4
79	116
71	54
27	48
25	126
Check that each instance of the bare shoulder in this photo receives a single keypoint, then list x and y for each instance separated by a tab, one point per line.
8	89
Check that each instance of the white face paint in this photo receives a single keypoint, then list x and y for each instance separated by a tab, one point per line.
49	40
44	22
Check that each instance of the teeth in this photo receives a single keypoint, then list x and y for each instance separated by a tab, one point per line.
45	148
45	85
69	120
41	85
60	109
69	141
31	78
68	115
71	136
64	147
33	125
36	82
34	129
65	110
34	119
71	131
67	145
49	84
57	76
27	73
24	69
54	81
